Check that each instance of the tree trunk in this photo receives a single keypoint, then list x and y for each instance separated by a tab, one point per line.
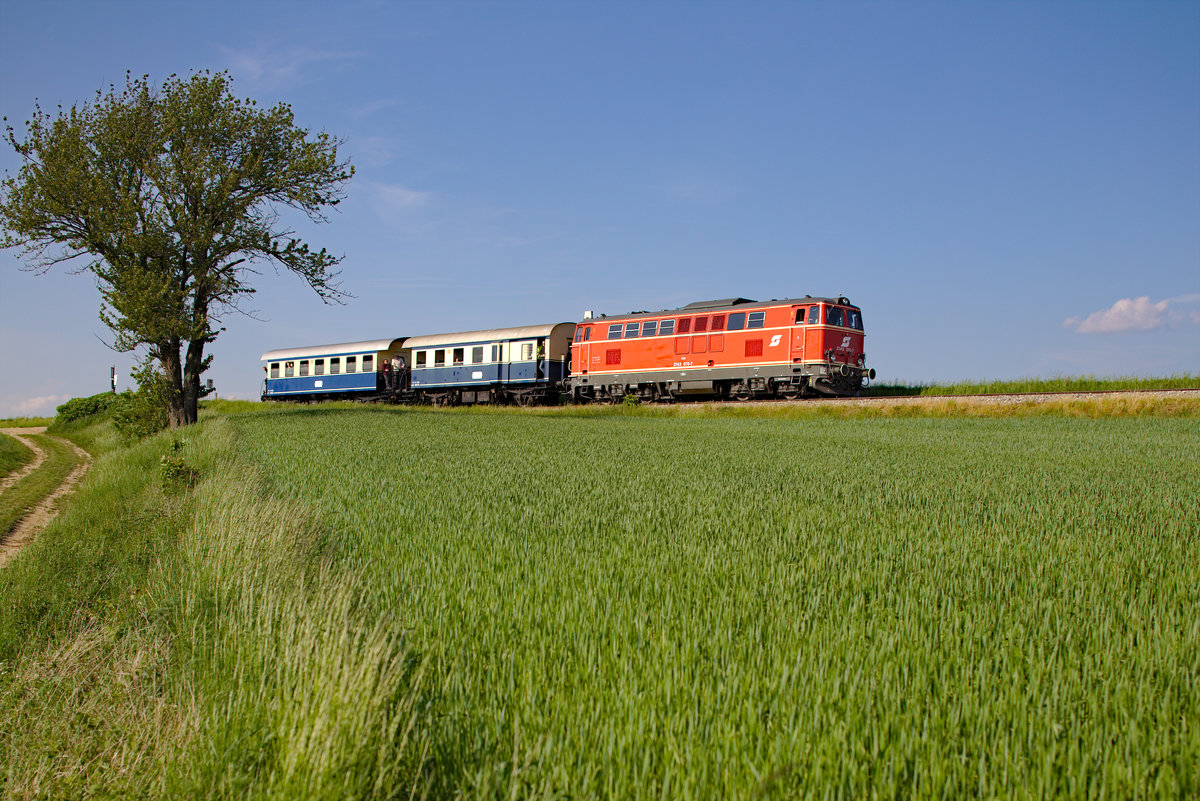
192	366
168	358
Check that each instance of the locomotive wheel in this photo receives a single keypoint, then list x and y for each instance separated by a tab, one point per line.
740	392
789	391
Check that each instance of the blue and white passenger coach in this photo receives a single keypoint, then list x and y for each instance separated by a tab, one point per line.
346	370
526	364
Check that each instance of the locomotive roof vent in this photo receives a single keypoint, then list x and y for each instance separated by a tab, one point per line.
588	314
714	304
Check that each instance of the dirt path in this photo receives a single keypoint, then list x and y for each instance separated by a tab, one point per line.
44	512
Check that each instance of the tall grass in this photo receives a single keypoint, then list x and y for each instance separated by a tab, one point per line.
706	607
198	644
13	455
1088	383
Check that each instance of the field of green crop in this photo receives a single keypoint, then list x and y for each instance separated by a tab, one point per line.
625	607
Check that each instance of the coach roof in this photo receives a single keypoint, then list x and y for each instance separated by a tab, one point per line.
487	335
366	346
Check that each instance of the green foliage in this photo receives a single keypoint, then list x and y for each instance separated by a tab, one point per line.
170	195
145	412
631	399
703	606
1058	384
174	473
80	408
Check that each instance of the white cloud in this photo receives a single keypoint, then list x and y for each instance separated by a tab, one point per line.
1136	314
41	406
264	66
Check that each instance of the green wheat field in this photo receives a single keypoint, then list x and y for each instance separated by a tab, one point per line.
344	602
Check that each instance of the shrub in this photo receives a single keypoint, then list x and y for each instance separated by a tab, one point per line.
79	408
142	413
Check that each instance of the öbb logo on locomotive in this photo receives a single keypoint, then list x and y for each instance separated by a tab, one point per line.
731	348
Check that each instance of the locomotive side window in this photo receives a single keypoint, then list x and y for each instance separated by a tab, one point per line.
737	321
650	328
335	365
458	355
439	358
422	357
756	320
834	316
631	329
666	328
587	334
800	316
718	323
814	314
303	367
319	367
614	331
368	364
685	325
855	319
701	324
351	364
477	354
274	369
289	369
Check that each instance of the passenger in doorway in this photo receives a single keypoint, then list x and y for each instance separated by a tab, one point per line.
400	368
389	377
541	358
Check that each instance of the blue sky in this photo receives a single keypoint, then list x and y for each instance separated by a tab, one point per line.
1006	189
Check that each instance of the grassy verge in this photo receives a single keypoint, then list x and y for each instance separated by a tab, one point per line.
1057	384
13	455
176	633
61	459
25	422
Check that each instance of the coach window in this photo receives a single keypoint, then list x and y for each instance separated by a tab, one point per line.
351	364
814	315
319	367
855	319
495	353
368	365
666	328
701	325
737	321
526	351
631	329
756	319
274	369
458	356
439	358
289	369
477	354
650	328
834	316
303	367
614	331
718	322
421	357
685	325
335	365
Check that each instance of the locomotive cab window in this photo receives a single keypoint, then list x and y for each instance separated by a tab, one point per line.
737	321
335	365
614	331
631	329
368	364
578	334
289	369
458	356
814	314
756	319
855	319
650	328
834	316
351	364
666	328
587	334
303	367
319	367
274	369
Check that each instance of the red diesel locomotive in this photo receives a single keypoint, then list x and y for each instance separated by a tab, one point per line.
733	348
